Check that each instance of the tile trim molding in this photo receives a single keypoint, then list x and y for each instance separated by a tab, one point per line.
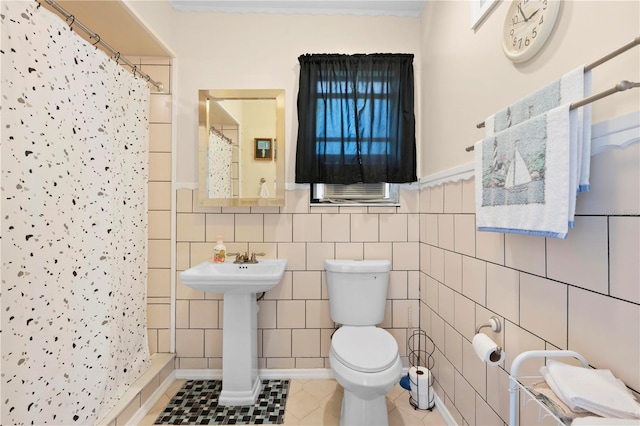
158	362
616	133
153	398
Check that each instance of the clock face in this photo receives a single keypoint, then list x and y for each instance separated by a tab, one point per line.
527	27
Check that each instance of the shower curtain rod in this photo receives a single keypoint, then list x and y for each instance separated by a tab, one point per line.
605	58
74	22
219	133
620	87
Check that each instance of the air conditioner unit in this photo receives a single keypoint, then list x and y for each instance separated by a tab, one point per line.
357	193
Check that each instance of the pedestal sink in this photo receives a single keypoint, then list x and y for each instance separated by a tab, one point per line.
239	282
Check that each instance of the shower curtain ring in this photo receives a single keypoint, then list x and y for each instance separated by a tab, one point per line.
98	39
135	68
38	6
117	57
73	19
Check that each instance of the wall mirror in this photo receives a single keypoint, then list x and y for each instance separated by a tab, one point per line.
241	147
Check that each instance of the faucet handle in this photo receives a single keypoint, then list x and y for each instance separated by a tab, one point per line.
253	257
239	257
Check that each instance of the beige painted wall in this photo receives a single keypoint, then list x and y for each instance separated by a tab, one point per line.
466	76
259	51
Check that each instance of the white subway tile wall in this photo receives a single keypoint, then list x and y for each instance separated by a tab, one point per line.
293	320
581	293
159	206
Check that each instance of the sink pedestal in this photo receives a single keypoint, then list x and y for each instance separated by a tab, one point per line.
239	283
240	381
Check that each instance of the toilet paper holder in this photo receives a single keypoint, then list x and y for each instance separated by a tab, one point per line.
494	323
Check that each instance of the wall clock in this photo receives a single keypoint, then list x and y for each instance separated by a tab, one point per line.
527	27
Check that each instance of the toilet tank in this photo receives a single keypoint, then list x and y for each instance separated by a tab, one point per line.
357	290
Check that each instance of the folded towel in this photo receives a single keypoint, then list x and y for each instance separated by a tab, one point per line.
604	421
594	390
572	87
543	392
264	191
522	177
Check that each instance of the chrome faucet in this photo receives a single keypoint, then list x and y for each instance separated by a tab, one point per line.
245	258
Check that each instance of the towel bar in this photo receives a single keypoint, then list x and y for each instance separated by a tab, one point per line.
611	55
620	87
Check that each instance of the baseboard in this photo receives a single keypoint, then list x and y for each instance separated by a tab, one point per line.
444	412
267	373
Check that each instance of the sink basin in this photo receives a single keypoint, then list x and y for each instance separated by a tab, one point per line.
229	277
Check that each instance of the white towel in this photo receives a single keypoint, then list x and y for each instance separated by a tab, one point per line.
585	159
572	87
264	191
594	390
604	421
522	177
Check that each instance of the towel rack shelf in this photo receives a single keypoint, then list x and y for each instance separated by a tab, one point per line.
620	87
516	384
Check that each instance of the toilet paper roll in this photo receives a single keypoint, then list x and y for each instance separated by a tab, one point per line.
487	349
420	380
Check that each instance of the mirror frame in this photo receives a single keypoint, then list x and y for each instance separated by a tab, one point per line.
203	137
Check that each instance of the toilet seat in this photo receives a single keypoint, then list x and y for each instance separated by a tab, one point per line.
366	349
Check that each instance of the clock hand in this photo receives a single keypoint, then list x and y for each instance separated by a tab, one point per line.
522	13
526	19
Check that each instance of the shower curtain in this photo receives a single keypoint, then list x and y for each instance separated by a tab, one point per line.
74	225
219	166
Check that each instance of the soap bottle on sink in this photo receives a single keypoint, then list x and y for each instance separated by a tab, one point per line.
219	251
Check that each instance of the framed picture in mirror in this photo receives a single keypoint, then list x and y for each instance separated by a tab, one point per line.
263	149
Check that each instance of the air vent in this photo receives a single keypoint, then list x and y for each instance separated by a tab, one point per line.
357	193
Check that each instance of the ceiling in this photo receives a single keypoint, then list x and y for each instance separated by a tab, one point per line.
118	26
407	8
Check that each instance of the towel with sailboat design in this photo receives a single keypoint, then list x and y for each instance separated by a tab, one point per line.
571	87
523	177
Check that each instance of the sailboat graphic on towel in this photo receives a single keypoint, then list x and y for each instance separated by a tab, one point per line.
518	175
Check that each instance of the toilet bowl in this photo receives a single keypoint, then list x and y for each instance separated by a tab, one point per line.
364	358
365	362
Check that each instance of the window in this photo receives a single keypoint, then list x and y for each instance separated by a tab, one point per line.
356	120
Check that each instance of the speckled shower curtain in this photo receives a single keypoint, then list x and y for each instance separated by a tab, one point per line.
74	223
219	168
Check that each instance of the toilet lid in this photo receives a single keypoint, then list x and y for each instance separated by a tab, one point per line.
365	349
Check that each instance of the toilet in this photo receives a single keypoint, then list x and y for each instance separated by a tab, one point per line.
364	358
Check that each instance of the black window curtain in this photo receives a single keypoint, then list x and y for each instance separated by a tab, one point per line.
356	120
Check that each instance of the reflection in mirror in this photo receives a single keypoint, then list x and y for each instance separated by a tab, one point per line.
241	155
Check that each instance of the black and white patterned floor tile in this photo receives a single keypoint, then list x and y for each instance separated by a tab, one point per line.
196	403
